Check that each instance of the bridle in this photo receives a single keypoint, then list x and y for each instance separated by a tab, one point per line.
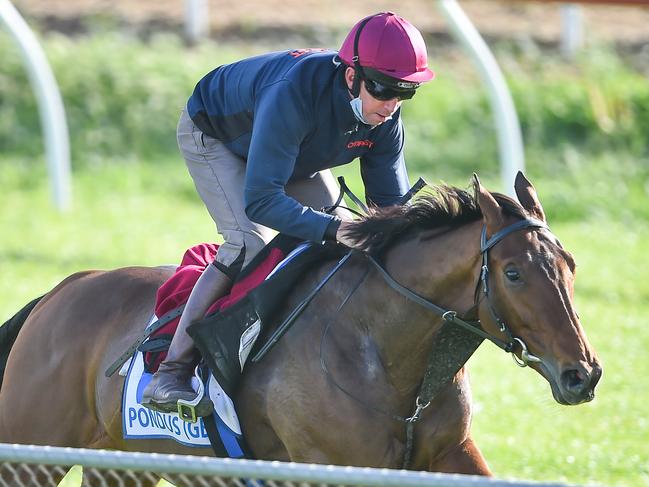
485	246
429	388
482	285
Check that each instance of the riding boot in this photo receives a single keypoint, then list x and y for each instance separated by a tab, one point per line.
172	381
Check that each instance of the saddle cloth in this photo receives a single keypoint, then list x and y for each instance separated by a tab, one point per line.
140	422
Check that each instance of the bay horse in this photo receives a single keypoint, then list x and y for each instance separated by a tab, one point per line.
333	388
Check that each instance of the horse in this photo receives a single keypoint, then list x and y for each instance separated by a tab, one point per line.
342	382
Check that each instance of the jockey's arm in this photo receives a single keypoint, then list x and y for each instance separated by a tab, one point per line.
280	127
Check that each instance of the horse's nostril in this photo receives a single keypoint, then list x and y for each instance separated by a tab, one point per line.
573	379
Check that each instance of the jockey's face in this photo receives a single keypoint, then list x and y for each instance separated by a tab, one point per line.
374	111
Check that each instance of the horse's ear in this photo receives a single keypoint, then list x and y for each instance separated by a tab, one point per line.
489	206
527	196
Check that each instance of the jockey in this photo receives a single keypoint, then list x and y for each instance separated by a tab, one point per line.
259	137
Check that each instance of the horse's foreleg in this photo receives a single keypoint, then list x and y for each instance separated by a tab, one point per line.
465	458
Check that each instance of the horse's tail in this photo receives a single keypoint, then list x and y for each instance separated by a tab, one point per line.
9	332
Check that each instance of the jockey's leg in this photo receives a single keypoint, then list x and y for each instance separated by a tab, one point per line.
317	192
172	381
219	177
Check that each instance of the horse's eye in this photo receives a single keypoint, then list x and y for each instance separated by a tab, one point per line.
512	275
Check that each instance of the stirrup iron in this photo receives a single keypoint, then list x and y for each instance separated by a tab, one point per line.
187	409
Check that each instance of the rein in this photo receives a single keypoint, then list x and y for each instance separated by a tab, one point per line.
448	315
344	190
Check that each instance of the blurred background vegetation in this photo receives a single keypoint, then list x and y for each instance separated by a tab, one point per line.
585	127
585	123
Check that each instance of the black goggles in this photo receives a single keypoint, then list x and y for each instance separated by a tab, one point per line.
385	93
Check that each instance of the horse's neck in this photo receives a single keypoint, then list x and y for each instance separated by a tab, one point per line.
444	270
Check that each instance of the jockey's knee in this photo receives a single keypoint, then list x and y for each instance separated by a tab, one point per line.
253	244
237	252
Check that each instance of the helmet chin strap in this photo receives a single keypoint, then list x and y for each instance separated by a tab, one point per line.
356	102
358	69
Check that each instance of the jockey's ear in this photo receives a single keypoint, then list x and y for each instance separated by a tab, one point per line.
527	197
490	208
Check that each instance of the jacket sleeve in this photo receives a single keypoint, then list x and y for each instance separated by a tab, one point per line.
383	169
281	123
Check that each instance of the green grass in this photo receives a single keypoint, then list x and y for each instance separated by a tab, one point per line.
148	213
122	215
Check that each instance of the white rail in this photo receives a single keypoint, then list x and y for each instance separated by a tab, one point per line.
50	106
572	29
247	469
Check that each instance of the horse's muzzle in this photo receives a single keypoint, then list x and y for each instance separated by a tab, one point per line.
577	384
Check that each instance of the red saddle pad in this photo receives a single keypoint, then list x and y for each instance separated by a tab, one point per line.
175	291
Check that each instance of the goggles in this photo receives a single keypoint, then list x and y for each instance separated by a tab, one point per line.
384	93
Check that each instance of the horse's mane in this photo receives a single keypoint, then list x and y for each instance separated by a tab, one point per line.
440	206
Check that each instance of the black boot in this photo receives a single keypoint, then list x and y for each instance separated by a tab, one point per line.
172	381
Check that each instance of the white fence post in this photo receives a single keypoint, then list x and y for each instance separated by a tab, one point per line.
196	20
572	37
510	140
50	105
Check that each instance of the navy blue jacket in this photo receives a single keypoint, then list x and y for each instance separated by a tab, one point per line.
287	114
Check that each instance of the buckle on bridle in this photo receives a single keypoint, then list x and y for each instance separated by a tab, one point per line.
419	407
484	275
450	315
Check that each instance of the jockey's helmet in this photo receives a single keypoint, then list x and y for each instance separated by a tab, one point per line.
388	51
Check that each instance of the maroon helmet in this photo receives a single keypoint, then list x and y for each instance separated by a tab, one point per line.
387	49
